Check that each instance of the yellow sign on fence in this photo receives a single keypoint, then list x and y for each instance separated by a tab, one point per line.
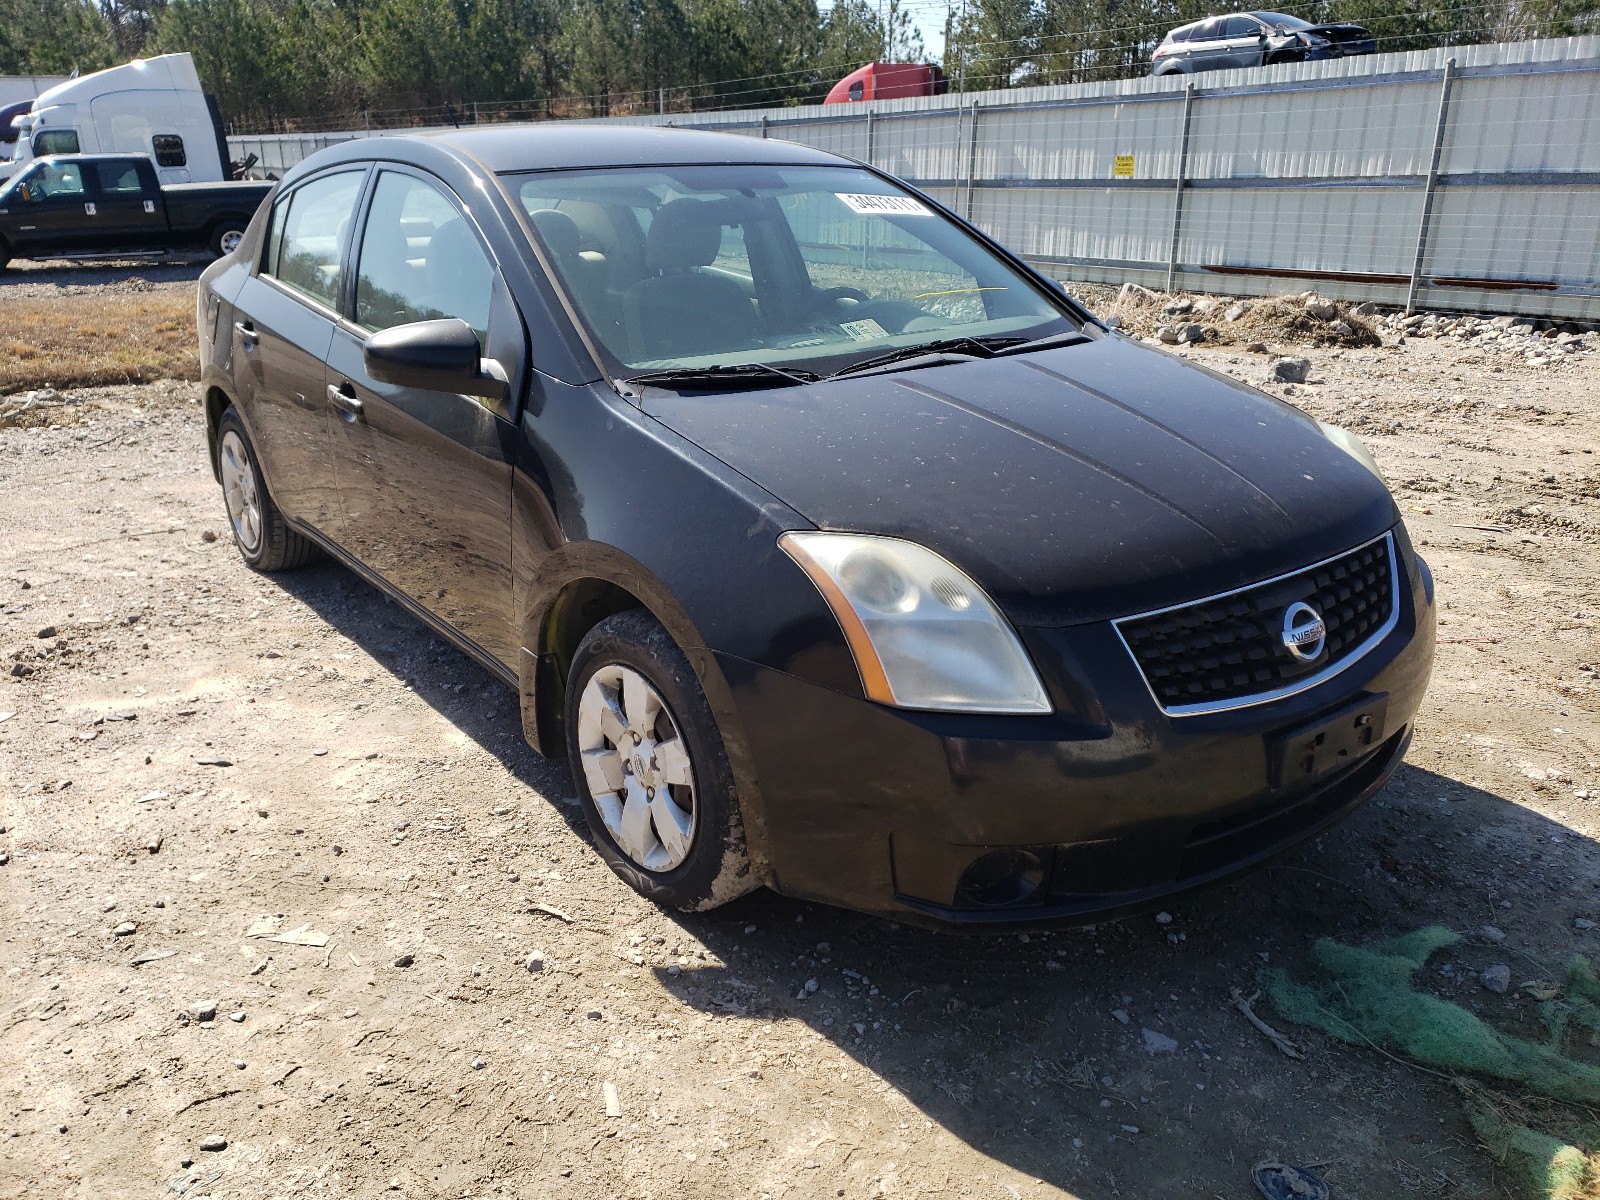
1122	167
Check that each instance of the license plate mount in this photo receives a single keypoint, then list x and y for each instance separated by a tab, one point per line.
1304	755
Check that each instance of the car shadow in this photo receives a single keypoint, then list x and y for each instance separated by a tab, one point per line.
1107	1060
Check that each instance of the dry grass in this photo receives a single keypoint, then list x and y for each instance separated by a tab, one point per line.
67	341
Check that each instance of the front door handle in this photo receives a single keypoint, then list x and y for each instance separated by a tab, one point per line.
247	333
339	398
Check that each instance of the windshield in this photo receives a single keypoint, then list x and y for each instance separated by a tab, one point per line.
806	268
1283	21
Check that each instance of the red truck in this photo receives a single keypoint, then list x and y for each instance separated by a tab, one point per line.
888	81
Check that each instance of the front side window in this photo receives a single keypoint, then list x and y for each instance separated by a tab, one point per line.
1240	27
169	150
308	235
420	260
814	267
55	141
51	181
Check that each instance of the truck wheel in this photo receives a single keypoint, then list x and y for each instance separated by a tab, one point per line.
5	255
226	235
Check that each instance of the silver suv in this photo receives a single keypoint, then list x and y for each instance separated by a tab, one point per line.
1254	39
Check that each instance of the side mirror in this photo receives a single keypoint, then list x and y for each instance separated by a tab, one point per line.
435	356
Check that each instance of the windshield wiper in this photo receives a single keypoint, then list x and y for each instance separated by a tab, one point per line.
1048	342
738	375
956	349
959	349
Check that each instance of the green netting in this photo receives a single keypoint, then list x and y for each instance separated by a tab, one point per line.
1543	1166
1363	994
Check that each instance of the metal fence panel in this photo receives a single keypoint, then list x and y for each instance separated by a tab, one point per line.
1463	177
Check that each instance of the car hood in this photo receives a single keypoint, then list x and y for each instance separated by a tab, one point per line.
1074	485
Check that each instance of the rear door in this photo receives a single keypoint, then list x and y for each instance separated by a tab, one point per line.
425	476
284	320
1206	48
129	201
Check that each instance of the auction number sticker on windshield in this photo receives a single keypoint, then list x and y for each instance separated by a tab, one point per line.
884	206
864	330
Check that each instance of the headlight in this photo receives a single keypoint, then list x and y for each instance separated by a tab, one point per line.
923	634
1351	445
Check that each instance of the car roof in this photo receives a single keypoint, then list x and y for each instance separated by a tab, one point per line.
569	144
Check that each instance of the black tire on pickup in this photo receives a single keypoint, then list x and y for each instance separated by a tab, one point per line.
5	255
226	234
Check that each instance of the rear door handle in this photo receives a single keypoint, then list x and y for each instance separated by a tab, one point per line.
340	398
247	333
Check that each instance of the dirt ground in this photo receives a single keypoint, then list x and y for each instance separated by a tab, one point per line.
193	756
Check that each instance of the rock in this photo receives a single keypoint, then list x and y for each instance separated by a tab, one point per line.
1320	309
811	986
405	960
203	1010
186	1161
534	962
1234	312
1342	329
1291	370
1492	933
1168	335
593	1014
1114	322
478	1064
1134	293
1496	978
214	1142
1204	305
1365	309
236	1017
1176	308
1583	923
1256	348
208	535
126	929
1163	918
1120	1015
1190	334
49	631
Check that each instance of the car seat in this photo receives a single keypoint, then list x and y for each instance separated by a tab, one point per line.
682	310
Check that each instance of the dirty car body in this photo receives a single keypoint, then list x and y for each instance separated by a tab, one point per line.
981	613
1255	39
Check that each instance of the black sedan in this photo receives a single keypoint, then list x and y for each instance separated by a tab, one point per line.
836	549
1255	39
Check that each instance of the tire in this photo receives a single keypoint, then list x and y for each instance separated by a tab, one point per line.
226	235
265	541
641	839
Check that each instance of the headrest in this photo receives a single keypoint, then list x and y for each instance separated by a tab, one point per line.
685	233
558	231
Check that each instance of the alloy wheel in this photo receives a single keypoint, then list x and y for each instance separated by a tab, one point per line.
239	491
637	766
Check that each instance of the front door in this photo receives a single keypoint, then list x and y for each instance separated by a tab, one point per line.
54	210
424	476
284	321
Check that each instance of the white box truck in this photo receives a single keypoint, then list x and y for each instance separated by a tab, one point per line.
153	106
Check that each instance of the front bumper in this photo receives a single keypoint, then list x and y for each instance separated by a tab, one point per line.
1115	804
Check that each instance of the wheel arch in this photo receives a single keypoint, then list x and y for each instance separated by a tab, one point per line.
217	402
578	586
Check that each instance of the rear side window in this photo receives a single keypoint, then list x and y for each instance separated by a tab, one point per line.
420	260
1206	31
169	150
308	233
117	178
56	141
